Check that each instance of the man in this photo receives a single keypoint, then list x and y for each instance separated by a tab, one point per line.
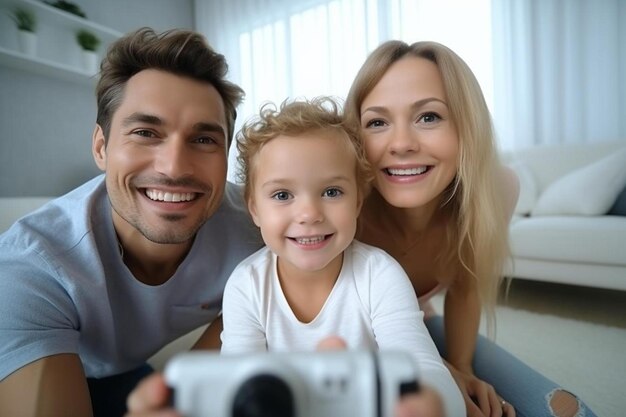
100	279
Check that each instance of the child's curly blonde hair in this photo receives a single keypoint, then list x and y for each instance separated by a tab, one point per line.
321	115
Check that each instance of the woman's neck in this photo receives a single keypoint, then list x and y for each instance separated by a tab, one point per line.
405	222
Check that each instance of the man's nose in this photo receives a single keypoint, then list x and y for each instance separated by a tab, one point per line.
173	159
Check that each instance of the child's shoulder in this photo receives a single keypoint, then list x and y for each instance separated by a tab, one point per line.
371	256
257	264
373	269
360	249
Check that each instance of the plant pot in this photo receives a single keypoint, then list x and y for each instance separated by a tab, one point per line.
90	62
27	42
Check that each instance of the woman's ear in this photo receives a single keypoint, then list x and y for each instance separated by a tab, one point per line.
98	148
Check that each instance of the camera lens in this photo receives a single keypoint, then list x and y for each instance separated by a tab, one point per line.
264	396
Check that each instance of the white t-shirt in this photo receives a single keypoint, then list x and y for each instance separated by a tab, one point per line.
372	306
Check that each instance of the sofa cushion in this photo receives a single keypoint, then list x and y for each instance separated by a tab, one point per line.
528	188
594	240
587	191
619	207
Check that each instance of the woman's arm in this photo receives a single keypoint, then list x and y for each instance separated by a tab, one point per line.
461	321
461	318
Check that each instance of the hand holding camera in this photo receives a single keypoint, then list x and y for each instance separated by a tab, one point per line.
324	384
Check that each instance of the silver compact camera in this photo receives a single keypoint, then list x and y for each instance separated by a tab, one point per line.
316	384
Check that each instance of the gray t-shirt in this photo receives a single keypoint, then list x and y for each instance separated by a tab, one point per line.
65	289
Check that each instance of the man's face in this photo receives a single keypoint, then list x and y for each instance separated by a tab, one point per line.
165	159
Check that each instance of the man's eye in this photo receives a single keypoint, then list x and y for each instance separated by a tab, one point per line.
281	195
333	192
206	140
144	133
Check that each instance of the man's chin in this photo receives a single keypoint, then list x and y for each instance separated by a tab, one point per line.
171	232
169	238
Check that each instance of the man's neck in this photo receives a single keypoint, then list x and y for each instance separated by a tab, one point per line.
154	263
150	262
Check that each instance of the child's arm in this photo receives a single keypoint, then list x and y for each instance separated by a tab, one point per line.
398	324
243	331
210	338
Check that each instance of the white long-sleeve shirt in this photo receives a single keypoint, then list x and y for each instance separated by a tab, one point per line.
372	306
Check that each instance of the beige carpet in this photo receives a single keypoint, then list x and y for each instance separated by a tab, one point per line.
575	336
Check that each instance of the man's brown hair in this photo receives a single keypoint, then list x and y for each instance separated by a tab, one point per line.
181	52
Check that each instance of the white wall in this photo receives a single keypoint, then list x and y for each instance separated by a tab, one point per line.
46	123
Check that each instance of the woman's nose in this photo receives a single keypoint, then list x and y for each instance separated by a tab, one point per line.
403	139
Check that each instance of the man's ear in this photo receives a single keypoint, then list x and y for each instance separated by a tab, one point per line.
98	148
252	210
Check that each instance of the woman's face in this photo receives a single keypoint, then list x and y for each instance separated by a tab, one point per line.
408	135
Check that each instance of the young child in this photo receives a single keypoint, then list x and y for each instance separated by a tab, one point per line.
305	179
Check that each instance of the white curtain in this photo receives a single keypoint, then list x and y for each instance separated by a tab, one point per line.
560	71
279	49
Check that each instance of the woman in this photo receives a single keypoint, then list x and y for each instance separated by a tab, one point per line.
441	205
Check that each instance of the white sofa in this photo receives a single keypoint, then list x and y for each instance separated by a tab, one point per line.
561	231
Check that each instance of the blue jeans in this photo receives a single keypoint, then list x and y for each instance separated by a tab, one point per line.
526	389
108	395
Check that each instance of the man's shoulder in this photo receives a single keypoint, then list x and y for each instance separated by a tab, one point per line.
233	198
60	223
232	216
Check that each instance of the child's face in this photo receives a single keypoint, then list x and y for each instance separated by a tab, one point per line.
305	199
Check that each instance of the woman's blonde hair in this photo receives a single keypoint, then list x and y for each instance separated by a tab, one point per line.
479	237
321	114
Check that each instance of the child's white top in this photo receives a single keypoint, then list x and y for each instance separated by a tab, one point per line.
372	305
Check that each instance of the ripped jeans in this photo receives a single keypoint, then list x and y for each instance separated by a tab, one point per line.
529	392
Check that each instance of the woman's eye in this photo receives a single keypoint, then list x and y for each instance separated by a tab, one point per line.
375	123
281	195
332	192
429	118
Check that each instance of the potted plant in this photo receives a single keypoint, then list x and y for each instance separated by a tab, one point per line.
68	6
89	44
26	25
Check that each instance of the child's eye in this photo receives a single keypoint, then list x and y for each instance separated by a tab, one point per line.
281	195
333	192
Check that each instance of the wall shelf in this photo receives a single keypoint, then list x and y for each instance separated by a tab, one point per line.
40	66
58	28
46	13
